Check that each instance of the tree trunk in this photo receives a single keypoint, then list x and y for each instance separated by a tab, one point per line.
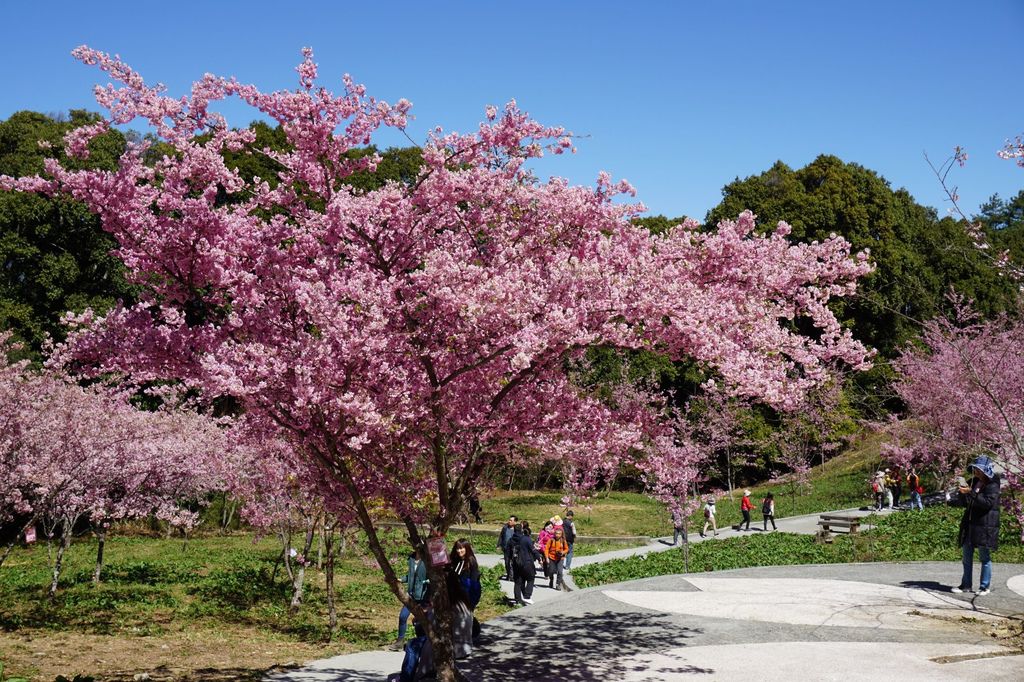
440	630
65	541
728	470
332	611
101	538
320	546
300	574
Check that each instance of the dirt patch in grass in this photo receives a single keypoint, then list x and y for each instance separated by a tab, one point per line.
228	653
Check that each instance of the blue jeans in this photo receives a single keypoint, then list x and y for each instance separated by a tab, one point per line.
403	619
568	557
985	557
915	500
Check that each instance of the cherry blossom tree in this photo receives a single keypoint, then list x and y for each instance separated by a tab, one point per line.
406	337
69	453
964	391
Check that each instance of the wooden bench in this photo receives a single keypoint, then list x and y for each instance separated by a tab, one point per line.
831	523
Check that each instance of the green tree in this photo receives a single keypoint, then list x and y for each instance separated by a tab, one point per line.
918	257
1004	222
55	256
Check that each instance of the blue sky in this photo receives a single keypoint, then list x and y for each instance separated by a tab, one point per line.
677	97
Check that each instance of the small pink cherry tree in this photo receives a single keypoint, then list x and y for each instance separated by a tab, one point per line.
964	391
69	453
405	337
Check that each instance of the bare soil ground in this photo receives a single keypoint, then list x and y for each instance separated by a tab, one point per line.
225	654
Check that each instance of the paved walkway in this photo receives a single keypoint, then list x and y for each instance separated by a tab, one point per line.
843	622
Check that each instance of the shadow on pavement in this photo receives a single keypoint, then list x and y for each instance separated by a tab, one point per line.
584	648
926	585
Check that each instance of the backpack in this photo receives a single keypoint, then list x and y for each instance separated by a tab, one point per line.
766	507
707	513
513	552
876	487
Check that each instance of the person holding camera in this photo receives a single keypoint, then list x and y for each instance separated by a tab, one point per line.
979	526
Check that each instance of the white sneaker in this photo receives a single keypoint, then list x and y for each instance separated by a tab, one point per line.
958	590
528	601
982	592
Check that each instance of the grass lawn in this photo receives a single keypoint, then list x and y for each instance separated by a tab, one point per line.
209	609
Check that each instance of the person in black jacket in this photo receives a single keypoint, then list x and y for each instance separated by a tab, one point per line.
979	526
524	564
569	530
504	544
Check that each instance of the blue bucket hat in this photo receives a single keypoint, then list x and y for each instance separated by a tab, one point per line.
984	465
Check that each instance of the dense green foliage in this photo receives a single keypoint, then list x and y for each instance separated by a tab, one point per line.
55	256
1004	221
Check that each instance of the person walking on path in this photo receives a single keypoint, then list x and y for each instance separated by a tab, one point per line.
504	545
416	584
877	487
569	529
524	569
979	526
679	528
555	550
768	509
887	484
746	506
914	484
709	518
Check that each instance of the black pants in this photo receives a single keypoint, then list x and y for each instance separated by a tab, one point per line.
746	518
767	518
508	562
524	583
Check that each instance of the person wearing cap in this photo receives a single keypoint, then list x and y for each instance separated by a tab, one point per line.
746	506
979	526
877	486
709	517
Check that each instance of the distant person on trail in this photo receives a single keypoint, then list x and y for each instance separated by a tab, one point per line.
914	484
504	540
524	569
679	528
768	509
896	487
416	584
877	488
887	484
555	551
569	528
979	526
709	518
475	508
746	506
542	541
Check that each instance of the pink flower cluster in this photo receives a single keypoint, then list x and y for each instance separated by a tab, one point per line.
402	339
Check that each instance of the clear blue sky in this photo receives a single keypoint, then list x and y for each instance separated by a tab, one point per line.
677	97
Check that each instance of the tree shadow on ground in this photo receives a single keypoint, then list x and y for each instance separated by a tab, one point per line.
584	648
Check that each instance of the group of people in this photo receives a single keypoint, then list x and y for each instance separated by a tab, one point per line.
551	551
887	488
746	507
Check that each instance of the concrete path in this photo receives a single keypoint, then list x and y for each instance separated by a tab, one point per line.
844	622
